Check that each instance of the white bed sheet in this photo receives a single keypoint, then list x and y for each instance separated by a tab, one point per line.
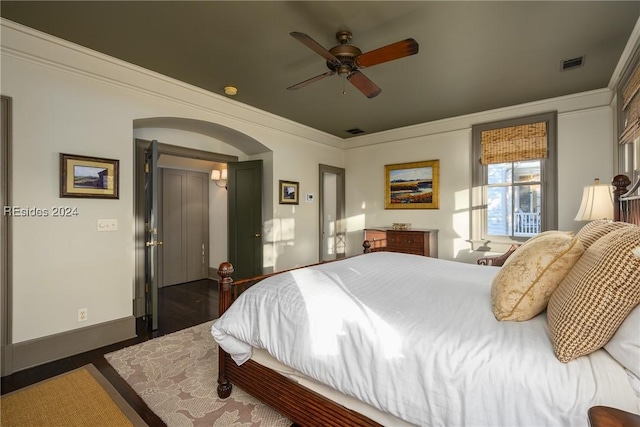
415	337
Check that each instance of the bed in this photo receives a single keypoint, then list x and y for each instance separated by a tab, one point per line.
393	339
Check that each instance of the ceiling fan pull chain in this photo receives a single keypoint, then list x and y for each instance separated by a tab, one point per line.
344	85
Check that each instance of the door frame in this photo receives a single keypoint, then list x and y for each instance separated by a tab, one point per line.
6	277
340	205
140	146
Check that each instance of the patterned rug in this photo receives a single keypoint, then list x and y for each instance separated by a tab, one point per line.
176	375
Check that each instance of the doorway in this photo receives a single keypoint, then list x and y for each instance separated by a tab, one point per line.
141	147
332	236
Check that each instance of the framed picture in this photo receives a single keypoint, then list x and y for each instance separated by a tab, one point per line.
289	191
412	185
82	176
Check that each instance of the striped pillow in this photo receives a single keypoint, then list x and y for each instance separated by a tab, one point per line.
596	296
594	230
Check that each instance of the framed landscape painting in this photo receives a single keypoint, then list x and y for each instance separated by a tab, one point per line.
82	176
412	185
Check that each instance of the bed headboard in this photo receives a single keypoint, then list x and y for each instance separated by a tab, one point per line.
626	201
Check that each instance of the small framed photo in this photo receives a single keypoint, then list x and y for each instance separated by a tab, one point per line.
412	185
93	177
289	192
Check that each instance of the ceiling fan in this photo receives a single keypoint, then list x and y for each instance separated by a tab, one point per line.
346	60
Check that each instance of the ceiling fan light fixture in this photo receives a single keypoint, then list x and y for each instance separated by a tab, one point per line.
230	90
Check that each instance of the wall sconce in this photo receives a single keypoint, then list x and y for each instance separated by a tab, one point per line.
597	202
219	177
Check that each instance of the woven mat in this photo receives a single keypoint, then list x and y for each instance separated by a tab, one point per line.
82	397
176	375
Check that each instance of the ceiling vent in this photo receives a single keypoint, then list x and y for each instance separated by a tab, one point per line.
569	64
355	131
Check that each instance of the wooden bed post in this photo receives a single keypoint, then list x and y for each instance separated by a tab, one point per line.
620	182
225	270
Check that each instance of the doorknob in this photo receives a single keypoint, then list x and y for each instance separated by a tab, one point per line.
257	235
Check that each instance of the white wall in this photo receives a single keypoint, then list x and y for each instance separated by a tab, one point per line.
72	100
584	152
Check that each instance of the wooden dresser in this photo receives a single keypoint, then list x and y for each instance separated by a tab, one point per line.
413	241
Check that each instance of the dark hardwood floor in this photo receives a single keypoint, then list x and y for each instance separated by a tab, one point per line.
179	306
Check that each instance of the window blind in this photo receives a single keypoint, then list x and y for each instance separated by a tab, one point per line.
631	109
514	143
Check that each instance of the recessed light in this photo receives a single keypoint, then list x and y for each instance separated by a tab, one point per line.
230	90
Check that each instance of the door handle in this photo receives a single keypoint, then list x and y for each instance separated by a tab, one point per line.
154	243
257	235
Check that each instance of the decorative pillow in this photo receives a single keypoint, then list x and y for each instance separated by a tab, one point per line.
596	296
547	233
594	230
624	346
523	286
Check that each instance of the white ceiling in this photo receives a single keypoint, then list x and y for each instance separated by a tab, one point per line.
474	55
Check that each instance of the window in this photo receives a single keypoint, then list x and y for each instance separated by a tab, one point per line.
514	178
628	99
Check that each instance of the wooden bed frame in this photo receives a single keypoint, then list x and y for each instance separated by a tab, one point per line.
303	406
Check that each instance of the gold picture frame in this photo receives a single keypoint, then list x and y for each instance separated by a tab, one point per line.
91	177
289	192
413	185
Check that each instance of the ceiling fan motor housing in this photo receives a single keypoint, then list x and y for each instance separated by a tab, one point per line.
346	54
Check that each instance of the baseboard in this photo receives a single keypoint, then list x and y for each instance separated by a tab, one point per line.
6	354
35	352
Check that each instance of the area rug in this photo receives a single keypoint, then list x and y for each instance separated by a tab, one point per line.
82	397
176	375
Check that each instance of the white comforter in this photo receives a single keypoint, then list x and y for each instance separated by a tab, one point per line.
416	337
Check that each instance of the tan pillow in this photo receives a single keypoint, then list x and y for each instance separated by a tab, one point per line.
594	230
596	296
523	286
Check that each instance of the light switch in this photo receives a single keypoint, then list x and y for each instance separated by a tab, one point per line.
107	225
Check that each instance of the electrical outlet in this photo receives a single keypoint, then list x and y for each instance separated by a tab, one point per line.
83	314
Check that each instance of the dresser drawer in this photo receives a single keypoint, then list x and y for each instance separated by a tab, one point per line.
405	241
377	239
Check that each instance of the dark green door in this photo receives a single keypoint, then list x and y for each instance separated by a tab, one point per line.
245	218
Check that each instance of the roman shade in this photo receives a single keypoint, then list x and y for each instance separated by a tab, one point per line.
514	143
631	108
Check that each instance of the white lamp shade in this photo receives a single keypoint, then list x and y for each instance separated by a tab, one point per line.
597	203
215	175
224	174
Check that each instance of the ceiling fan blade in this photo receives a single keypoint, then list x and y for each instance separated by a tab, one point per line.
363	84
388	53
311	80
315	46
